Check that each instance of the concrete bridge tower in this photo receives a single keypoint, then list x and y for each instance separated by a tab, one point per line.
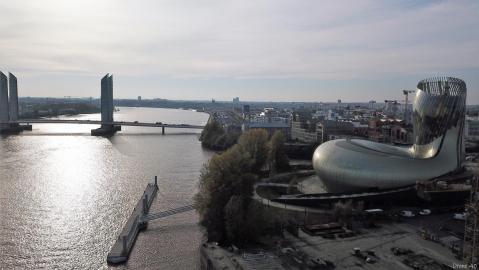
9	105
107	128
111	106
4	109
106	117
13	98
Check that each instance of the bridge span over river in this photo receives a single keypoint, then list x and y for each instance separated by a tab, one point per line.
114	123
10	123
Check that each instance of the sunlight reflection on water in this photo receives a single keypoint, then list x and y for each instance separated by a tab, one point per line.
64	198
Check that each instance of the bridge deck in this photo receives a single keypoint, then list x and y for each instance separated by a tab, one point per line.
124	243
97	122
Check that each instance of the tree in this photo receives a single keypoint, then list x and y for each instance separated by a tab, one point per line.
215	137
277	157
225	189
255	142
224	176
210	133
243	219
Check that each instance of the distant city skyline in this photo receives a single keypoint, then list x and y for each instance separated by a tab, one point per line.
271	50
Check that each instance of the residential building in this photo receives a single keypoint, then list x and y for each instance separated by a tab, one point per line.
472	129
303	132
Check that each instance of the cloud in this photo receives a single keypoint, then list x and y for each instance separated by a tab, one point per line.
265	39
239	38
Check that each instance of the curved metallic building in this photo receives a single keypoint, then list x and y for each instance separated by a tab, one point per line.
359	165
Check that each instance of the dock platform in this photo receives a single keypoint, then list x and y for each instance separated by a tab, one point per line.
120	251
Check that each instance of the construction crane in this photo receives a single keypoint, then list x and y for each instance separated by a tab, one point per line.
406	104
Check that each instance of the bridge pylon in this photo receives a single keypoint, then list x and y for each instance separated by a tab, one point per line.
107	107
4	108
9	105
13	99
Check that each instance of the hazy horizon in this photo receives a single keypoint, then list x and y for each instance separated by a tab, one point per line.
270	50
227	101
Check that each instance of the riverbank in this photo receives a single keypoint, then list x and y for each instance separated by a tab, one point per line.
54	108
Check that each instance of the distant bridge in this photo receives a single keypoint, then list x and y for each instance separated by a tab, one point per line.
9	122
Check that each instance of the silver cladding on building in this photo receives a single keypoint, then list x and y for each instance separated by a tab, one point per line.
438	118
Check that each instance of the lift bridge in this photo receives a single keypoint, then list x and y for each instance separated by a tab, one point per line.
10	122
138	221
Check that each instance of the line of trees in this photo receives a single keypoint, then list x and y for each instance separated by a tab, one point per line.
224	200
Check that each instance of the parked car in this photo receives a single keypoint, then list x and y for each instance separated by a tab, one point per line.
460	216
425	212
407	213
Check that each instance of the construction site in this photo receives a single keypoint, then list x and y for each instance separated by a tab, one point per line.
345	234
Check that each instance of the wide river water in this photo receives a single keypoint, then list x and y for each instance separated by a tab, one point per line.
65	195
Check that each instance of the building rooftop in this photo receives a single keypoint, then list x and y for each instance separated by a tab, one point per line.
224	259
268	125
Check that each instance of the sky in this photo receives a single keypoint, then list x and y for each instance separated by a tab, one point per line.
268	50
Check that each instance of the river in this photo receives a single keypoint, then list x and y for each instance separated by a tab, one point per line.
65	195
